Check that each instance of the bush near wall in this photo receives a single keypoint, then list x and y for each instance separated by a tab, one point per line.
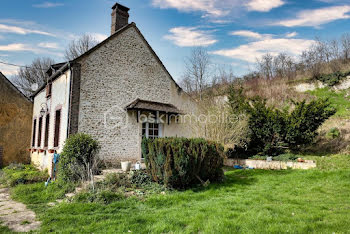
182	162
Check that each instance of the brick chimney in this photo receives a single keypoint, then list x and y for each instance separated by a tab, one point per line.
120	17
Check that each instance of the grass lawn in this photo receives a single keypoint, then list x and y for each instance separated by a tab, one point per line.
249	201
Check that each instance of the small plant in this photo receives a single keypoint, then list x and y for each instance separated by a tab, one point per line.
140	178
258	157
333	133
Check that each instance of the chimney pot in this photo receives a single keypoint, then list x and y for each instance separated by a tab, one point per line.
120	17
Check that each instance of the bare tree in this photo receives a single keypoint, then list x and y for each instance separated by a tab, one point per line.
265	66
79	46
345	41
197	69
187	84
32	76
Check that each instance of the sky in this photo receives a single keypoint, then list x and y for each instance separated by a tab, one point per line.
234	32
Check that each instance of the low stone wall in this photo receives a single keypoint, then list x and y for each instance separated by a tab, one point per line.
273	165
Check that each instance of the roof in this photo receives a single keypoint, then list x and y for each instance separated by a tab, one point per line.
118	32
14	87
53	77
139	104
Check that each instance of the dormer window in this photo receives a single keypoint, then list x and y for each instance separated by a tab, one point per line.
48	90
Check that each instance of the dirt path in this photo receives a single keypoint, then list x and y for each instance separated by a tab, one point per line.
15	215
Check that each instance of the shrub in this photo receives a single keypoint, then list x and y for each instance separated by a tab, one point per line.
16	174
78	159
181	162
272	130
333	78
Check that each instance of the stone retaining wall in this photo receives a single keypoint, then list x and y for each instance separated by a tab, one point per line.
274	165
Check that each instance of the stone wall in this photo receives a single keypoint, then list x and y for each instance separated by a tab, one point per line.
15	124
121	70
272	165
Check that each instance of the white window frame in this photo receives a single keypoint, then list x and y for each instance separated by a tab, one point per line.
149	127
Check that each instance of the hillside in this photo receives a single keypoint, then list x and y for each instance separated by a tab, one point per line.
334	134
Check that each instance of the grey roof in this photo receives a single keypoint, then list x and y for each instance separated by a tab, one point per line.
139	104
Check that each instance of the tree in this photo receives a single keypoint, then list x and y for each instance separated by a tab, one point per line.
79	46
197	69
32	76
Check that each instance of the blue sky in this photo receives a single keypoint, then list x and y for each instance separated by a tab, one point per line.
235	32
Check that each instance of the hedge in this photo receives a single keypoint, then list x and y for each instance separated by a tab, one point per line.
182	162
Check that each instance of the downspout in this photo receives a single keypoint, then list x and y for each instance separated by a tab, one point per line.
69	100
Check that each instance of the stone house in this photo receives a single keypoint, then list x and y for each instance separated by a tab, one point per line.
15	124
118	92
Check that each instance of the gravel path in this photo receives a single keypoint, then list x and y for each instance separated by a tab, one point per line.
15	215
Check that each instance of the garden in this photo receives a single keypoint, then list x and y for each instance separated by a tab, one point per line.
186	187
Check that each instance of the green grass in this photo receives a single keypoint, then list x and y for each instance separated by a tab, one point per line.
337	99
249	201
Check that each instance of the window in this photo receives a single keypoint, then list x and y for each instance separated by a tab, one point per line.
39	131
57	128
47	125
151	130
48	90
34	131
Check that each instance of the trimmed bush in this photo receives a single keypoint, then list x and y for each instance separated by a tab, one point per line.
182	162
78	158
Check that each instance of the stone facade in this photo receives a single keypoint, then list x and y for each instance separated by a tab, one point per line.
96	87
115	74
15	124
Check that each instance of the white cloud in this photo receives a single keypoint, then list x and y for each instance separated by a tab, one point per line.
263	5
207	6
20	47
48	5
250	34
8	70
19	30
98	36
315	18
190	36
251	51
292	34
49	45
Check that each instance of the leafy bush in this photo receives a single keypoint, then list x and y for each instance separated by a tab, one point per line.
140	178
78	159
272	131
16	174
333	78
181	162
